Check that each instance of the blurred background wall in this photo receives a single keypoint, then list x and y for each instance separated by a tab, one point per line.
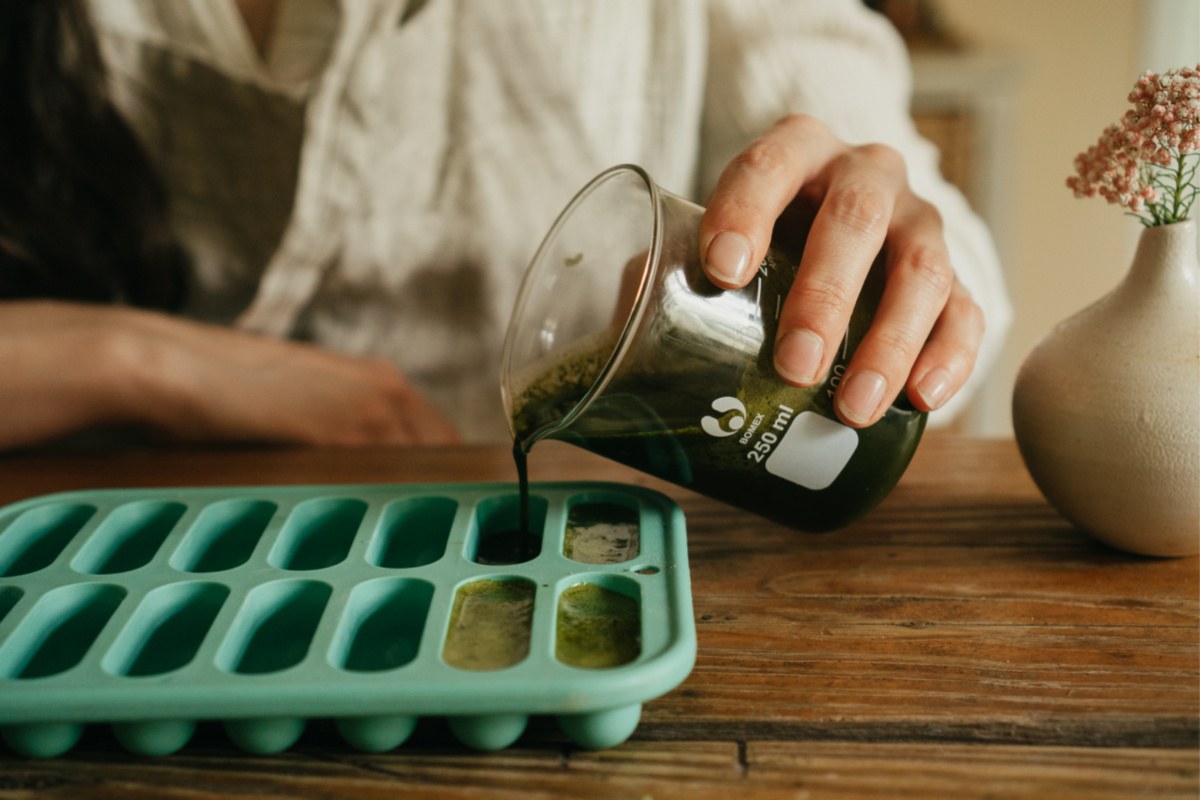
1012	90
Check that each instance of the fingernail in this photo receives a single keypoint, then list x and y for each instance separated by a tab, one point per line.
934	388
860	395
728	256
798	356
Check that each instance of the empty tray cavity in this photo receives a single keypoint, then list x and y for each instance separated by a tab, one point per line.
129	537
413	532
275	627
59	631
166	630
36	538
318	534
263	607
224	535
383	623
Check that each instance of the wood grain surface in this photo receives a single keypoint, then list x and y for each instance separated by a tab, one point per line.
962	640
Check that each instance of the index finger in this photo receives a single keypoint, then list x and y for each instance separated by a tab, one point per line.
756	187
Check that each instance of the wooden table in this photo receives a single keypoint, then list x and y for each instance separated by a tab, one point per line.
961	641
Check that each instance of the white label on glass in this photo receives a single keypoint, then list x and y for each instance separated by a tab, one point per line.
813	451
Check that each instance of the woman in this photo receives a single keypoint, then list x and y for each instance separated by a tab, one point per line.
358	186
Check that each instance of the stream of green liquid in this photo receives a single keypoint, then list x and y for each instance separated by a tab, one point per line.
515	545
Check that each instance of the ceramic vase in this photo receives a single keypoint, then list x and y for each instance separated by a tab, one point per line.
1106	409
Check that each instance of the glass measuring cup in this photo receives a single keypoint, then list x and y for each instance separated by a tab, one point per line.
620	344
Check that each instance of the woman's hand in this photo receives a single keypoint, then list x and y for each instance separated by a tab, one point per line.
69	367
927	330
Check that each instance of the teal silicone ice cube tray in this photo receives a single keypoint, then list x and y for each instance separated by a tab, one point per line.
263	607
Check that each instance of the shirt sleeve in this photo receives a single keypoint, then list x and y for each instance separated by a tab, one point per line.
847	66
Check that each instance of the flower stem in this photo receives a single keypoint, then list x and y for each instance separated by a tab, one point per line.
1177	198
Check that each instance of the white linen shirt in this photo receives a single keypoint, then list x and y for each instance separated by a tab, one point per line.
379	181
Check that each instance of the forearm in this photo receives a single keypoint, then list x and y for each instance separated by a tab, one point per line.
65	367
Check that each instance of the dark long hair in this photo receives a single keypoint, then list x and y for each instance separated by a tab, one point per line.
82	214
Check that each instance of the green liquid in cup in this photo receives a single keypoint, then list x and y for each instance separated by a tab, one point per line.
735	433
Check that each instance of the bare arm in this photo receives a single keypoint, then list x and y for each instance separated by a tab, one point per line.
68	367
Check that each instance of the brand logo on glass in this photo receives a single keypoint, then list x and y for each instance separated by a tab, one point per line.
723	405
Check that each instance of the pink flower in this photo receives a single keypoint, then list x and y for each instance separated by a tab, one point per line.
1142	162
